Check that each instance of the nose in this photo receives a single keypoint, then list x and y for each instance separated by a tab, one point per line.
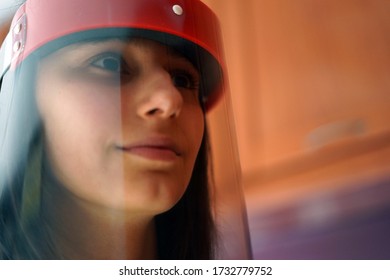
161	98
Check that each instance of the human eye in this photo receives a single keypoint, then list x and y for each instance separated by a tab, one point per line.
185	80
108	62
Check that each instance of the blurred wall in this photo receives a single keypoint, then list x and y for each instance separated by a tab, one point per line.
310	90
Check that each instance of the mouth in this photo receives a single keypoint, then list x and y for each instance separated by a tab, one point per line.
162	149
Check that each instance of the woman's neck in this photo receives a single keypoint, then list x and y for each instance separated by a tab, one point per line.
83	230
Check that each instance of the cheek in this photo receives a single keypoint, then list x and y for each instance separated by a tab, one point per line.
76	108
198	126
78	124
194	126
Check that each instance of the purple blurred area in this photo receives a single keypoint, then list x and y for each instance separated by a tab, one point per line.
346	225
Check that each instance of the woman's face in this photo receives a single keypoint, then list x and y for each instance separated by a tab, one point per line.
123	122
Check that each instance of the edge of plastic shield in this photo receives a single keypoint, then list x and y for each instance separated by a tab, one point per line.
5	55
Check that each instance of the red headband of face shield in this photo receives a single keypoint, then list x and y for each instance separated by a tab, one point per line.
189	26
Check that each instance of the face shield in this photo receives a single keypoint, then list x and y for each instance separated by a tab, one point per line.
103	132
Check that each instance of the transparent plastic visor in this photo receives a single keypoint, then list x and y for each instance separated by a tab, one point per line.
114	129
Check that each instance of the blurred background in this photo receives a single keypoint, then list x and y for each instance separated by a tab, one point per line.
310	91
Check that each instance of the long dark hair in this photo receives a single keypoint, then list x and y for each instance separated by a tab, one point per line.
184	232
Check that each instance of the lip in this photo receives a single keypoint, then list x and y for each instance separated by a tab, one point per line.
156	148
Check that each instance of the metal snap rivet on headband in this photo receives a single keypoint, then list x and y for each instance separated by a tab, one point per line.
18	28
178	10
17	46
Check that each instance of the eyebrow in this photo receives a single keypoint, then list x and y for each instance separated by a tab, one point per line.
171	51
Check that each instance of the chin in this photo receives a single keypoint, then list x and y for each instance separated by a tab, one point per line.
151	199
